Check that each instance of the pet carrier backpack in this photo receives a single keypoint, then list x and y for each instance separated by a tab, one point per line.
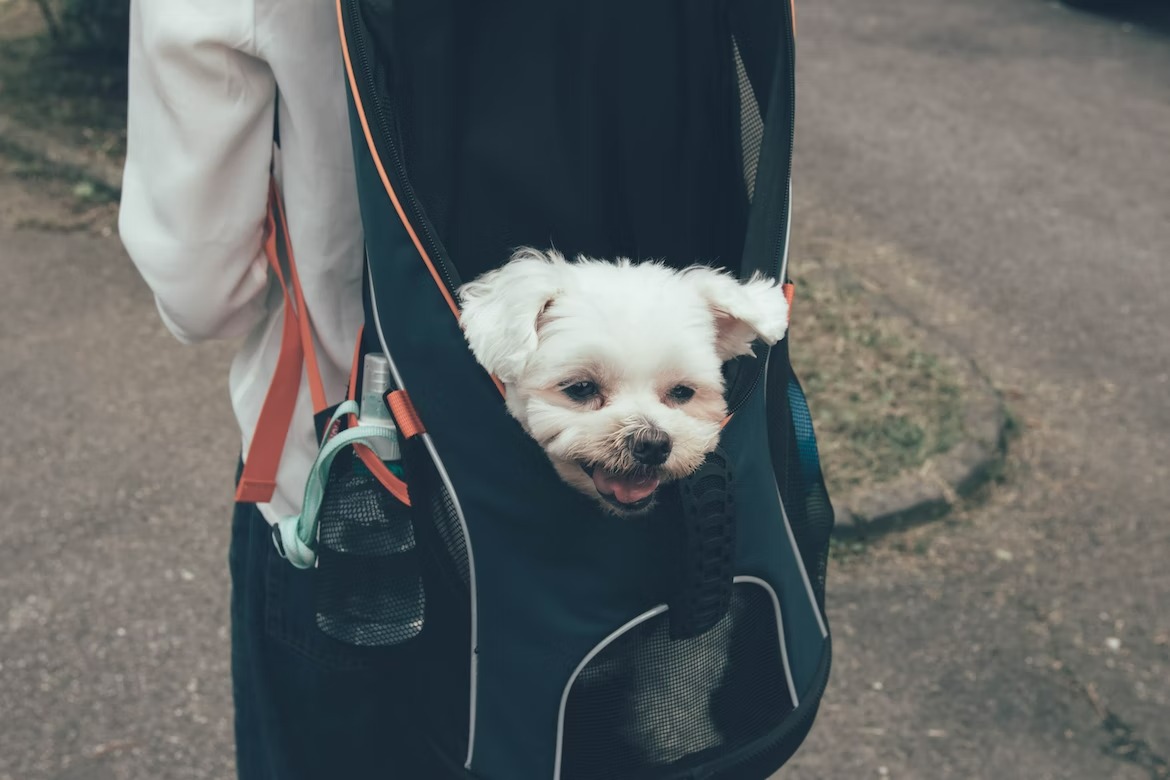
540	636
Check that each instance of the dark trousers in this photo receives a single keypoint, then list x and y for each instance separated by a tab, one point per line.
307	706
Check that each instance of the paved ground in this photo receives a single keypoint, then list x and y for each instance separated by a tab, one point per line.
113	525
1011	162
1006	159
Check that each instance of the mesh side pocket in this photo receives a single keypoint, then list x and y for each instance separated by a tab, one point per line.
370	590
805	496
646	701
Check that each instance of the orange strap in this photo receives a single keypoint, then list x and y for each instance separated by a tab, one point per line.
409	423
258	480
316	387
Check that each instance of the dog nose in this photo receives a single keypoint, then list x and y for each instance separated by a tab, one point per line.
650	448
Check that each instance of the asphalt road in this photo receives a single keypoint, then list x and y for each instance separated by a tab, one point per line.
114	525
1000	168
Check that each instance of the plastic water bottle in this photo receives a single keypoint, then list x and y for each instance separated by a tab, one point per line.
376	383
370	591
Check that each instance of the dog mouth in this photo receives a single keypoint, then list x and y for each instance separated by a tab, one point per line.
624	489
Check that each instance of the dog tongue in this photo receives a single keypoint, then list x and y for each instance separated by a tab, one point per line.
625	488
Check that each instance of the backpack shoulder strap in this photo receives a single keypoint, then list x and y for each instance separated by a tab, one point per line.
258	479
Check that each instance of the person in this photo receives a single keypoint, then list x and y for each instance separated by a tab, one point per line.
203	84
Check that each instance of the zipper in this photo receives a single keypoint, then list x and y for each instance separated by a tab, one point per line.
386	137
782	236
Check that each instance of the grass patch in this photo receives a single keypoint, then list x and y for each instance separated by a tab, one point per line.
75	96
19	164
40	195
882	404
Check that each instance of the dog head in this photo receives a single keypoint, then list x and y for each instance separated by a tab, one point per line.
615	369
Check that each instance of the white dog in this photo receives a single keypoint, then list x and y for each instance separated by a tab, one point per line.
615	369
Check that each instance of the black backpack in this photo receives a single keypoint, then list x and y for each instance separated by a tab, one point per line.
546	638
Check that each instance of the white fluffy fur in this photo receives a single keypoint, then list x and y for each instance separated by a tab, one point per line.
636	329
540	323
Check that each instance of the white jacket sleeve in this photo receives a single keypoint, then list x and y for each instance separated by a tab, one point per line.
199	143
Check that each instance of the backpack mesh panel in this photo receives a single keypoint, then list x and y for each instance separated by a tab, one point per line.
441	685
450	530
370	591
751	125
806	500
646	701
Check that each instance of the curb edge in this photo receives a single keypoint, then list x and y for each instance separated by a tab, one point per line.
933	490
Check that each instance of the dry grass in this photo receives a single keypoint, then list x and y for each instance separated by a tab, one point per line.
69	102
38	196
71	98
881	402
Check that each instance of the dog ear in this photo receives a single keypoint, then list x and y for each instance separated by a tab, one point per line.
744	311
501	309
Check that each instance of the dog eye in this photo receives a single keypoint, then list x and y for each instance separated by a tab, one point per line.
581	391
682	393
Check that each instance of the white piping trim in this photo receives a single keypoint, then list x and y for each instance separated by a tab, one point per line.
430	445
779	632
660	609
584	662
787	234
473	688
812	599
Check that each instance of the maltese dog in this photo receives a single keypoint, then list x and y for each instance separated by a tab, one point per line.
615	368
